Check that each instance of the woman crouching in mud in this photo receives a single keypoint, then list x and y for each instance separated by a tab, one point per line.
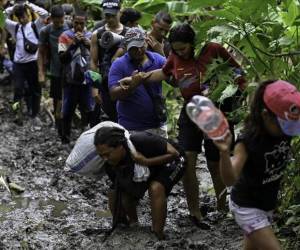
127	157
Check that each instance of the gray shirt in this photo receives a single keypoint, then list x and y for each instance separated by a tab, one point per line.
49	37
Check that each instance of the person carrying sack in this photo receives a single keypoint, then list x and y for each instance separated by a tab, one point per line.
138	163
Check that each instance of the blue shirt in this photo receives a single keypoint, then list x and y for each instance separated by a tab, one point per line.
136	111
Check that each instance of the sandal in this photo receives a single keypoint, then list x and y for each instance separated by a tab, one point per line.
199	222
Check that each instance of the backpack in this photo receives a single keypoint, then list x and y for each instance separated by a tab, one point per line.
105	55
78	63
74	70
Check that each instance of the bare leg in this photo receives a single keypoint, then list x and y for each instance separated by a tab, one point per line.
191	185
158	207
262	239
57	110
248	245
213	167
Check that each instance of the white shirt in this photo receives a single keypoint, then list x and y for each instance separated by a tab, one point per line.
21	56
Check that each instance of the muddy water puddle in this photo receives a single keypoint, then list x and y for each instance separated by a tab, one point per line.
22	203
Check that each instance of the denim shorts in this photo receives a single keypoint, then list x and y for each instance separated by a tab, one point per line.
250	219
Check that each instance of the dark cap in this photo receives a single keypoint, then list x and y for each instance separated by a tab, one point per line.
111	6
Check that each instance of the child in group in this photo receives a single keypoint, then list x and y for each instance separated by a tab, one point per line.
261	153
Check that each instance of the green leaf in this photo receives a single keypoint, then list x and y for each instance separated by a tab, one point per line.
226	31
177	7
229	14
152	6
229	91
2	19
285	41
204	3
146	19
291	220
297	182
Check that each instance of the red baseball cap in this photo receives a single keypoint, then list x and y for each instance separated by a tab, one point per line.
283	99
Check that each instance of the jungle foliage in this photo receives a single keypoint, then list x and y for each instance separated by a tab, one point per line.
264	37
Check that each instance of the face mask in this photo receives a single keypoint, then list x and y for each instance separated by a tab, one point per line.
289	127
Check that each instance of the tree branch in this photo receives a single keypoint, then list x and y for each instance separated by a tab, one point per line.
292	53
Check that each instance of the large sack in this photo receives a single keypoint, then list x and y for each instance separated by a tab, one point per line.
84	159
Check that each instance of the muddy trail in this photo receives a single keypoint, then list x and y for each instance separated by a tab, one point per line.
59	210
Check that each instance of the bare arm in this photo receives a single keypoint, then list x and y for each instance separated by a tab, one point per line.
231	167
120	52
42	52
152	76
170	155
119	93
94	64
94	53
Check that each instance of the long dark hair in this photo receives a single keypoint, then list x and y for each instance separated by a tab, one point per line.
182	32
254	124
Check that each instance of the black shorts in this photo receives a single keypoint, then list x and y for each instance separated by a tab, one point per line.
190	137
168	175
56	88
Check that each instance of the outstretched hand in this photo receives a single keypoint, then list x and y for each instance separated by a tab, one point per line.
131	82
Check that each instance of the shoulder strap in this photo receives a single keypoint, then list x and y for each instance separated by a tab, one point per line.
33	26
100	32
23	32
125	29
16	29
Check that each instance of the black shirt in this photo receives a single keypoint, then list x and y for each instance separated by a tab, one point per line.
259	182
150	146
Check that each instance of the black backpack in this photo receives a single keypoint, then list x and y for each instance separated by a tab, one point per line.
105	55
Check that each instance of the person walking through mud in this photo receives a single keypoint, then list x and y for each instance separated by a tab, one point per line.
48	54
25	68
261	153
135	164
101	58
186	71
74	54
142	99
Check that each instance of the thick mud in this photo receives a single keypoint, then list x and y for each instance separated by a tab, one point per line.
59	210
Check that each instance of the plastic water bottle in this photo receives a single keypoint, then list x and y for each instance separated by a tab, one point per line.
209	119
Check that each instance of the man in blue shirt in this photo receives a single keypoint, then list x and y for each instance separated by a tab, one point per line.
136	106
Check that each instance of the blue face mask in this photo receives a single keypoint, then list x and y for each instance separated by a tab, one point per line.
289	127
